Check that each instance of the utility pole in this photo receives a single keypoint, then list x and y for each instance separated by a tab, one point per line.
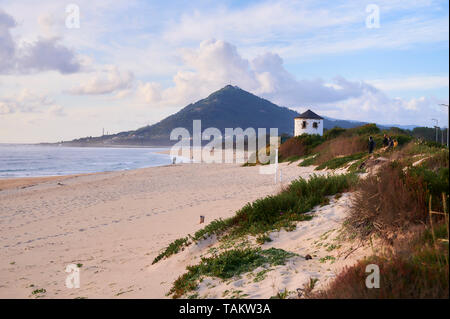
435	129
447	121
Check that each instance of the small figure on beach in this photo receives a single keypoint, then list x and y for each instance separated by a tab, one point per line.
371	145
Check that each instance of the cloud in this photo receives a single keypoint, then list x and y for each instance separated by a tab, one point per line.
106	81
45	54
306	28
7	45
150	92
217	63
48	54
57	110
411	83
277	84
378	107
28	101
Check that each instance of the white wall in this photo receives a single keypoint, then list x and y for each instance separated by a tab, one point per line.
298	130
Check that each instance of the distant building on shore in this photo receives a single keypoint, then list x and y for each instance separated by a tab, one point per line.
309	123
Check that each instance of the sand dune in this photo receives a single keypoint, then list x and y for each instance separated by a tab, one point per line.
320	238
114	224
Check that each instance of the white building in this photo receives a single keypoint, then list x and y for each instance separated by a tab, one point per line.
309	123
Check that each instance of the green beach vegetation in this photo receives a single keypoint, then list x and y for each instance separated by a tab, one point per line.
393	204
227	265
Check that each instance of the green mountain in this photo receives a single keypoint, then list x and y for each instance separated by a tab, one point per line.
229	107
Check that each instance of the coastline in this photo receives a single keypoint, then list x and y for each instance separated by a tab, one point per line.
71	161
7	183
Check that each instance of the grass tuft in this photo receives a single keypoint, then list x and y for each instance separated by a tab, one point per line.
227	265
173	248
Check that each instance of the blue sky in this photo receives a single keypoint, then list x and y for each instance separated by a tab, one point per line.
131	63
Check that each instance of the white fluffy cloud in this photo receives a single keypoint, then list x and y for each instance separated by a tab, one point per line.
106	81
43	54
29	101
217	63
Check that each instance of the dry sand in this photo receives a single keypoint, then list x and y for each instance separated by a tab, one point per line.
114	224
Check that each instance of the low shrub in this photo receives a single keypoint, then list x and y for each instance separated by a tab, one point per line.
399	278
340	146
435	182
333	133
308	161
421	147
418	271
299	146
367	129
227	265
437	160
387	202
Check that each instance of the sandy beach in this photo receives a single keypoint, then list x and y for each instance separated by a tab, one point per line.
113	224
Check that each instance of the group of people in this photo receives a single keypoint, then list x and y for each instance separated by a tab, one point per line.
388	142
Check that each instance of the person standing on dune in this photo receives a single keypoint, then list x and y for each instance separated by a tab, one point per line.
371	145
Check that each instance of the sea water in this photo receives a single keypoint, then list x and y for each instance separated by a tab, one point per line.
38	160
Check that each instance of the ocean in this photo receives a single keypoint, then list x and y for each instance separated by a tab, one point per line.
38	160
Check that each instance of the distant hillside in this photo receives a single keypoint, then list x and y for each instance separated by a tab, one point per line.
229	107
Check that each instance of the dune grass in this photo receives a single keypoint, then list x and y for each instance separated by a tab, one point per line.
308	161
227	265
173	248
339	162
289	206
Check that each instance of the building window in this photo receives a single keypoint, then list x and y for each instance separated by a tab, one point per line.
304	124
315	125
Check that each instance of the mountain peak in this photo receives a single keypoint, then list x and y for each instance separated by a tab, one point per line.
229	107
230	87
226	91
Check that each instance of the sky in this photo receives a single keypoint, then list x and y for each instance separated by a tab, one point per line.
72	69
